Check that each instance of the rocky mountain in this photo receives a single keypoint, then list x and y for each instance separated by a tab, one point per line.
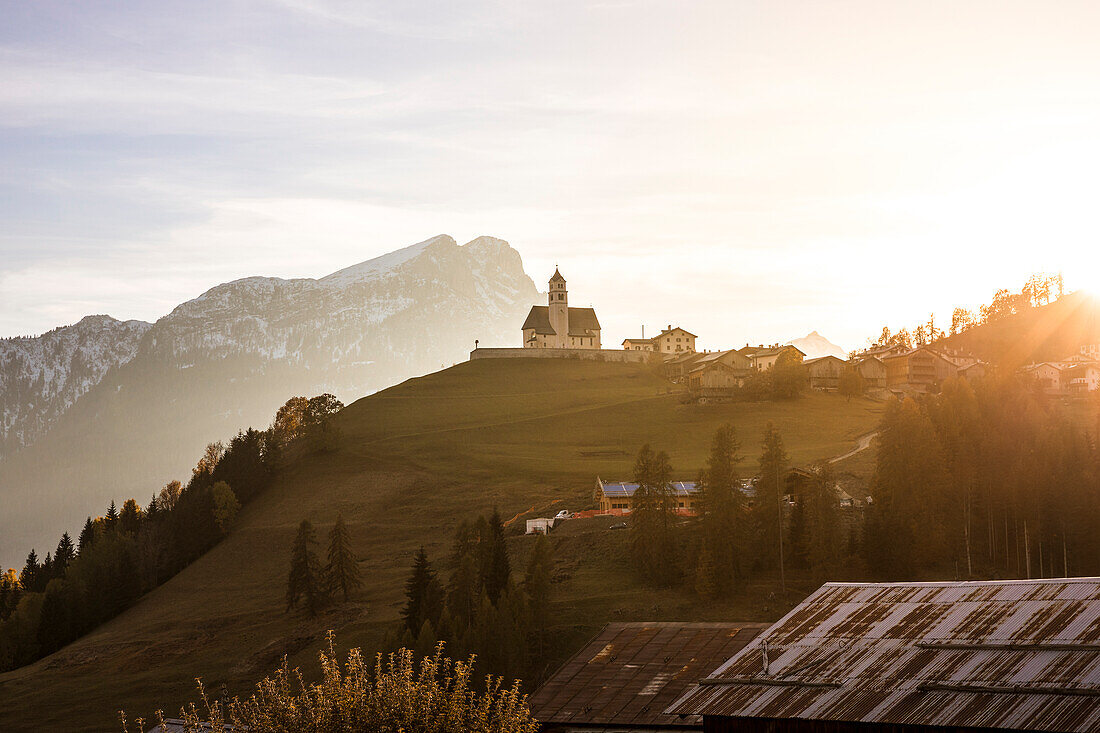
41	377
226	361
814	345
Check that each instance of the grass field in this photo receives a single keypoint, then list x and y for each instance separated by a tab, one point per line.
523	435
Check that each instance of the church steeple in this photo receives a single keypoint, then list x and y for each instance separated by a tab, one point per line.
559	309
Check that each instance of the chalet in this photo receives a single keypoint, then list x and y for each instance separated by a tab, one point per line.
1082	378
557	326
1048	375
677	367
917	370
719	372
618	498
764	357
670	341
625	677
824	372
873	372
915	657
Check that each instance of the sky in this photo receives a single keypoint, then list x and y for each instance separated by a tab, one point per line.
749	170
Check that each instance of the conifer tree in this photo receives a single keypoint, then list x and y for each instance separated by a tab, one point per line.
31	570
722	510
767	509
706	575
112	516
64	554
536	583
304	581
342	572
496	568
653	544
87	536
423	596
152	510
821	539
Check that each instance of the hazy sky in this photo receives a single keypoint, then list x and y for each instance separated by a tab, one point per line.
750	170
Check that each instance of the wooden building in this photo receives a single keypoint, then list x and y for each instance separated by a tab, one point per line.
622	680
873	372
678	366
824	372
618	497
915	658
718	373
764	357
917	370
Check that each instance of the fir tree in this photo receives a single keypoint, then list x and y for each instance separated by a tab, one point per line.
87	536
722	510
653	544
423	596
496	568
536	583
31	570
112	516
767	509
303	584
342	572
64	555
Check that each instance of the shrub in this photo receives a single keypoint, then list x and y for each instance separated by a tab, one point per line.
396	695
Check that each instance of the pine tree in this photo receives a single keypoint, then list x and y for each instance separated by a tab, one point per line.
31	570
152	510
706	575
342	572
536	583
496	568
64	555
112	516
722	509
653	544
304	581
821	514
423	596
767	509
87	536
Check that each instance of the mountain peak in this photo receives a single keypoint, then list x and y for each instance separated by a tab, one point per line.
379	266
814	345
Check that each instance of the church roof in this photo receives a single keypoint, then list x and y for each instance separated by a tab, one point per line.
557	276
582	321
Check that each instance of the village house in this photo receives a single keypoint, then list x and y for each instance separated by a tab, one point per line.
618	498
917	370
624	678
1090	351
824	372
1006	655
557	326
764	357
1081	378
678	366
718	373
873	372
669	341
1047	375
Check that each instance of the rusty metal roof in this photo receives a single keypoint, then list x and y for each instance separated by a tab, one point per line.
630	673
998	654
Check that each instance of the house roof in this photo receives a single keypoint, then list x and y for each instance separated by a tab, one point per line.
581	321
1021	655
622	490
629	673
674	329
810	362
767	350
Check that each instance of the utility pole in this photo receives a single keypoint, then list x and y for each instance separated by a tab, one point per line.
779	503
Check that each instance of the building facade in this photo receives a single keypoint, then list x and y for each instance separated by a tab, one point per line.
764	357
557	326
824	372
672	340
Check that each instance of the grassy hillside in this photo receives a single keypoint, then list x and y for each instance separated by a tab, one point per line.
1047	333
412	462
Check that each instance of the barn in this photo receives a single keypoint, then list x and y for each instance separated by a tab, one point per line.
916	657
622	680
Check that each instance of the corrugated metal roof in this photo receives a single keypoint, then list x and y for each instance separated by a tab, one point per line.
630	672
995	654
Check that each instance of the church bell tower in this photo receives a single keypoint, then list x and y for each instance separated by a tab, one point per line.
559	310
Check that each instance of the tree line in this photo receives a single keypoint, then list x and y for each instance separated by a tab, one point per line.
740	527
984	480
129	551
480	609
1040	289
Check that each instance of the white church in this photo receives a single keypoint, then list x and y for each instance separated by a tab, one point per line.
557	326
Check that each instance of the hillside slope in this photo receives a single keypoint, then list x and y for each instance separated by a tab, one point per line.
227	359
1047	333
412	462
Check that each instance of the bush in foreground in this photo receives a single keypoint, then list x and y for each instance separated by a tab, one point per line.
396	695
